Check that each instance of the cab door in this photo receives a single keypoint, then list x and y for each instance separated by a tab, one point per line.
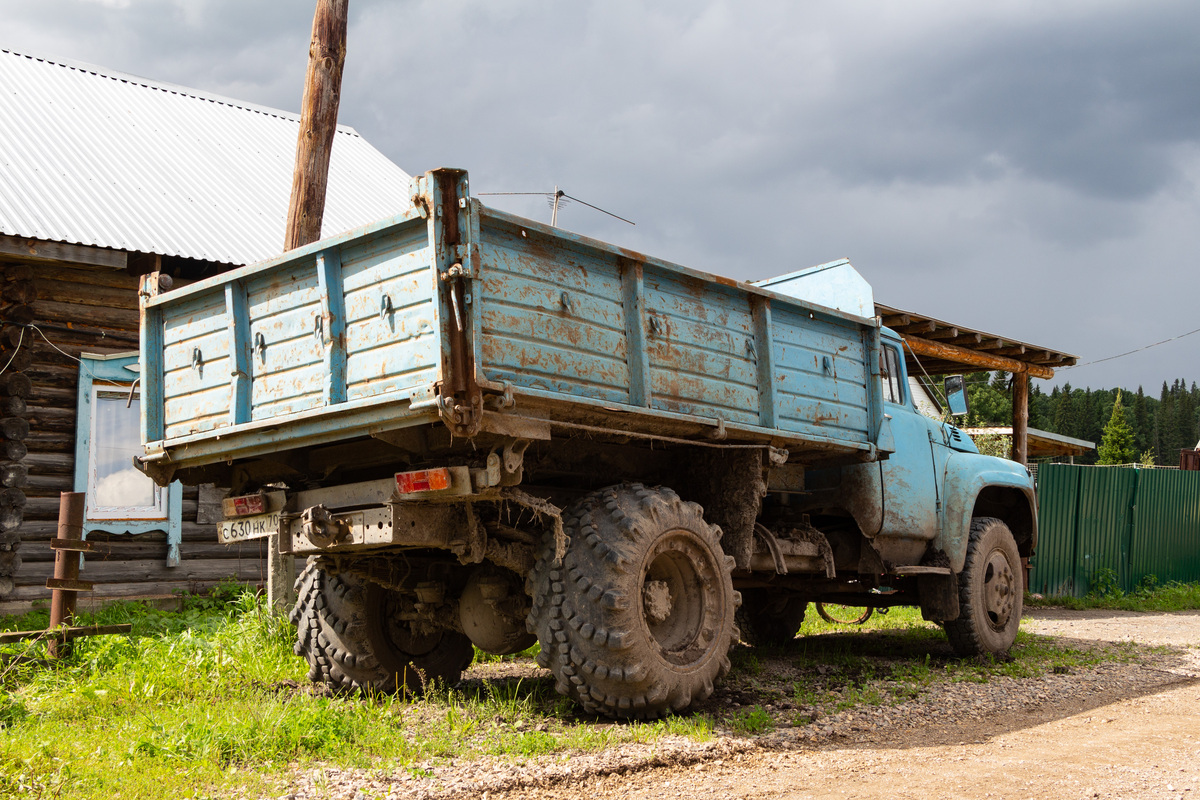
911	484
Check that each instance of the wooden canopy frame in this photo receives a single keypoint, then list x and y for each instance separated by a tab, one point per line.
936	347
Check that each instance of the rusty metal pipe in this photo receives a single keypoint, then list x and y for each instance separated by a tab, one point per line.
66	567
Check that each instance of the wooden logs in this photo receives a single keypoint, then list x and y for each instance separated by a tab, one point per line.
13	475
947	352
12	406
15	384
18	292
17	313
17	360
12	451
14	429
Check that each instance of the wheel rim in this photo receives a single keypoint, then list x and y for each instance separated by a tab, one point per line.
679	599
844	615
999	590
398	633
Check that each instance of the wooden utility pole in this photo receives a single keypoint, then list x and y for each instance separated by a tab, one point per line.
318	124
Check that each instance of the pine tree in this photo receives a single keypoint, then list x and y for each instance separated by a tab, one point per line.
1116	443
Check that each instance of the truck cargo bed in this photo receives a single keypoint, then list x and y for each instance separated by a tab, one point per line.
458	312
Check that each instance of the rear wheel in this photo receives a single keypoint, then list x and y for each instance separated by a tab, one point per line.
990	592
838	614
769	618
637	619
347	630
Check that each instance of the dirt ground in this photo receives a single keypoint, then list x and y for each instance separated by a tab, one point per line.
1125	727
1136	744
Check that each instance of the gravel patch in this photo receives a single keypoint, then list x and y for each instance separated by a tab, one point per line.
944	712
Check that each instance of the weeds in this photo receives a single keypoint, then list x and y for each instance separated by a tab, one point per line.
211	698
1148	595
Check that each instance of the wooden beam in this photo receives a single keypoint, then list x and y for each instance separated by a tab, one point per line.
318	123
944	333
967	338
961	355
928	326
1020	418
41	250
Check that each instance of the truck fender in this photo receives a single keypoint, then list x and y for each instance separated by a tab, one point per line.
984	486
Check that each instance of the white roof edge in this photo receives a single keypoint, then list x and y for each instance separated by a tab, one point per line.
165	86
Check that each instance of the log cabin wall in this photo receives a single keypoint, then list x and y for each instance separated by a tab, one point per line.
81	308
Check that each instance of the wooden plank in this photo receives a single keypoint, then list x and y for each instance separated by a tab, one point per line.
69	585
40	250
66	634
119	318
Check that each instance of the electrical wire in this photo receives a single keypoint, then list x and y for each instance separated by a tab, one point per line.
21	341
1131	352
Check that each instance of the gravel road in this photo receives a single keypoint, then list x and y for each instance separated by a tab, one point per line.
1119	729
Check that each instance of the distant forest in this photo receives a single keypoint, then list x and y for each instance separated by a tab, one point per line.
1162	425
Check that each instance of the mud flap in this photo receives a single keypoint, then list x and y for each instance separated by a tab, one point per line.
939	597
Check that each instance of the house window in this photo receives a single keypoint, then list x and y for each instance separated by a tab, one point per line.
115	489
120	499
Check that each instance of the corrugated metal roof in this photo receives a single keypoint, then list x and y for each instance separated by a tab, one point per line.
96	157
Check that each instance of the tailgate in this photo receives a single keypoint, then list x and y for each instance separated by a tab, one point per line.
308	345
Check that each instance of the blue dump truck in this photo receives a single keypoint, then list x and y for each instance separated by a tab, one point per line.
486	431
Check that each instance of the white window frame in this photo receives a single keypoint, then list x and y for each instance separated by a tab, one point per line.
118	373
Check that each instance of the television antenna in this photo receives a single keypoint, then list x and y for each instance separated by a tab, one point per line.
559	198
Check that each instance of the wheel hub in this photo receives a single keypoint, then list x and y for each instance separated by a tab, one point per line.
679	601
656	599
1000	588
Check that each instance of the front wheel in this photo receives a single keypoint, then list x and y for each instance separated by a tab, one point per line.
637	619
989	592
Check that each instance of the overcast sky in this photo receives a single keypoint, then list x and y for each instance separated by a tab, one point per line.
1027	168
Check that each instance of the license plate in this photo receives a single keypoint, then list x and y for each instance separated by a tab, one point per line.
256	527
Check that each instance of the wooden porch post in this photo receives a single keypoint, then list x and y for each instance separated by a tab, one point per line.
318	124
1020	421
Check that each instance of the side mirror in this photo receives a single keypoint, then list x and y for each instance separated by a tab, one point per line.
956	395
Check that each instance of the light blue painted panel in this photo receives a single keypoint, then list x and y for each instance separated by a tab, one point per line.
287	350
193	318
701	348
550	319
820	375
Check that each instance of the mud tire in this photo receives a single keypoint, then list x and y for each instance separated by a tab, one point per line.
342	630
637	620
769	619
990	592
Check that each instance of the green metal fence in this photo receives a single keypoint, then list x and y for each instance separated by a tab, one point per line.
1115	526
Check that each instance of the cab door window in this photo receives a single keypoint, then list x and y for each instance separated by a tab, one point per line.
893	378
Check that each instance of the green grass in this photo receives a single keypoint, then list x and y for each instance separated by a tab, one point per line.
209	700
1150	596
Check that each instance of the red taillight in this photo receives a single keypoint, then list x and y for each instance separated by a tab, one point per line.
245	506
423	480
